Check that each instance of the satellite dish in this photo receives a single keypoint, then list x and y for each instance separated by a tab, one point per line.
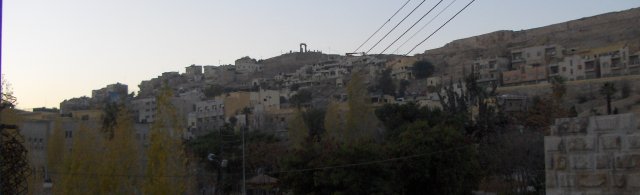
211	156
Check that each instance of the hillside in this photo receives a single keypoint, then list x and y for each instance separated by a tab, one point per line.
588	32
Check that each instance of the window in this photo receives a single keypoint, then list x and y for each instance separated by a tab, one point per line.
564	69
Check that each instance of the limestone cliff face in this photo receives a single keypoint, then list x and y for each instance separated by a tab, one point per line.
589	32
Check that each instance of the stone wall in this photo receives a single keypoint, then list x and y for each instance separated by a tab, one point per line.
593	155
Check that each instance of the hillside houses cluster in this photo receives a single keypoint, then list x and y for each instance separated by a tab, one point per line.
540	63
247	96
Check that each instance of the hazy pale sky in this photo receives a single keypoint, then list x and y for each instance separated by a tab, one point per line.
58	49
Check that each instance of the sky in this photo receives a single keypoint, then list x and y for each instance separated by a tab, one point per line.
57	50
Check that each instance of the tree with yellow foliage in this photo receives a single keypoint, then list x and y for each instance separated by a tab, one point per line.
120	169
167	165
81	176
298	130
362	123
56	155
333	124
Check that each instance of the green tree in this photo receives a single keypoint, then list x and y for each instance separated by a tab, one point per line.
385	82
608	89
302	97
314	118
448	162
213	90
423	69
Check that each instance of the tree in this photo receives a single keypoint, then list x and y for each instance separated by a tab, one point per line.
213	90
361	121
314	118
8	100
403	87
166	171
448	165
608	89
394	117
423	69
57	155
81	176
111	111
298	131
385	82
14	164
558	88
121	158
333	123
302	97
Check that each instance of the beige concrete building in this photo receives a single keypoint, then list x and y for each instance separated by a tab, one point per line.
489	70
247	65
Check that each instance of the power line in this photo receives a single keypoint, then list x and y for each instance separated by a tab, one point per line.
385	36
275	172
434	32
414	24
385	23
424	26
375	161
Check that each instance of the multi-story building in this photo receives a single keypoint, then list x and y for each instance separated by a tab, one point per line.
111	93
633	66
489	70
247	65
144	109
81	103
570	68
194	73
219	74
525	75
208	115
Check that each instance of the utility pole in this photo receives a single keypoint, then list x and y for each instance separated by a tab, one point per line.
219	182
244	188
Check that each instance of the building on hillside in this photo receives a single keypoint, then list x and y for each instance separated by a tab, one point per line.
248	65
570	68
606	61
88	115
45	109
512	103
401	69
194	73
633	66
193	70
144	109
111	93
536	56
81	103
329	70
208	115
276	122
234	103
265	100
489	70
220	74
525	75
